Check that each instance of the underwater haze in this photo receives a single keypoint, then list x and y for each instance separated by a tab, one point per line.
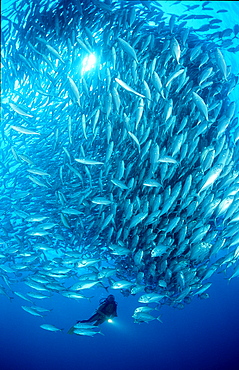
119	163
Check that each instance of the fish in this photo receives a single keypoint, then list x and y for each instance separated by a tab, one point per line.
74	89
200	105
150	297
24	130
3	292
211	177
86	332
81	285
71	211
143	309
173	76
137	219
50	327
38	172
114	172
30	310
22	296
140	317
19	110
88	161
118	250
54	52
37	295
120	184
36	181
151	182
127	87
101	200
121	284
135	139
41	309
127	48
221	62
167	159
159	250
175	49
73	295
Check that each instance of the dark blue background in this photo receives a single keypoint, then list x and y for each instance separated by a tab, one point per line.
204	335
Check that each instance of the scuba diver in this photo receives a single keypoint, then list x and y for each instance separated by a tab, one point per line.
107	310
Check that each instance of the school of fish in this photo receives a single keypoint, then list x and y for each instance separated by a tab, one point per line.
122	175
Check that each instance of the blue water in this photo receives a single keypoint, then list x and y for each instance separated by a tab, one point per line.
204	335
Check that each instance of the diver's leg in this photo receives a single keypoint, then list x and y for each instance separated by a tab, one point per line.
91	319
99	321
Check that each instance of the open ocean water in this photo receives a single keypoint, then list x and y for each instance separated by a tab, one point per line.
203	335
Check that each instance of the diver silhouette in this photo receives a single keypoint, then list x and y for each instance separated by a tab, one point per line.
107	310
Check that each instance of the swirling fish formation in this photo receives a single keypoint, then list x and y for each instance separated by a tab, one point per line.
123	174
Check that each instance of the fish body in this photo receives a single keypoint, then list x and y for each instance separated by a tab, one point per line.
201	105
50	327
24	130
140	317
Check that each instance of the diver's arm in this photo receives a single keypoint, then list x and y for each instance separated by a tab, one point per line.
106	315
107	311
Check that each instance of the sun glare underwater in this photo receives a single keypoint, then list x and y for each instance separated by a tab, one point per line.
88	63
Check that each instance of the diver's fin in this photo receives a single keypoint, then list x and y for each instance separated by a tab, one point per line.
159	318
71	330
